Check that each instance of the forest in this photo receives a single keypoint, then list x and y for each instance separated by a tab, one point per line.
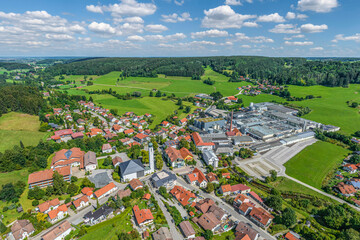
14	65
20	98
295	71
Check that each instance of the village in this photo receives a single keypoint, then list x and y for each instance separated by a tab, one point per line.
179	171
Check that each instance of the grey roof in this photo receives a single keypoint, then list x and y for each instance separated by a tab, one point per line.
162	234
104	210
243	139
90	158
208	154
100	180
132	166
161	178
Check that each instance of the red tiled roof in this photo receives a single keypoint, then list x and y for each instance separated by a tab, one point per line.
53	213
87	191
226	188
142	215
129	131
63	132
182	195
212	177
173	154
261	215
104	190
147	196
47	174
78	201
185	153
197	175
48	204
198	140
135	183
106	146
75	155
239	187
345	188
290	236
141	136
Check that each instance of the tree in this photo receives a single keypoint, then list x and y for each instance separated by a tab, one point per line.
107	161
355	159
158	94
273	174
357	134
22	145
275	202
36	193
58	183
87	183
41	217
72	189
187	109
163	192
35	203
354	105
159	162
151	94
350	234
74	179
208	234
184	143
210	187
288	217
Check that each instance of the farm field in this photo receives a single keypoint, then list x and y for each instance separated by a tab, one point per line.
16	127
331	108
76	78
312	164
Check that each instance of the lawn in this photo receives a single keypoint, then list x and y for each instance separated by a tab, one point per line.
16	127
312	164
107	230
331	108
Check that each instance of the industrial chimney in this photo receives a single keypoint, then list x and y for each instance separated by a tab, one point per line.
151	158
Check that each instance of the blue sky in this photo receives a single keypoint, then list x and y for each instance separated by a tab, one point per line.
180	28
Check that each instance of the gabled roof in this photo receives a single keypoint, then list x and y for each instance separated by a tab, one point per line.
173	154
226	188
182	195
57	231
78	201
53	213
20	227
48	204
89	158
212	177
48	174
142	215
130	167
104	190
239	187
197	175
187	228
87	191
245	228
135	183
260	215
208	221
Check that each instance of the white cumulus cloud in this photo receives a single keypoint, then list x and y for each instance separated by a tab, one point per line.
210	33
274	17
320	6
233	2
285	28
101	28
173	18
305	43
311	28
156	28
341	37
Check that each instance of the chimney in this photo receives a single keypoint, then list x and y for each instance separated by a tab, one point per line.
151	158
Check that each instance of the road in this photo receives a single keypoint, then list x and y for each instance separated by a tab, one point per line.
229	209
173	230
323	193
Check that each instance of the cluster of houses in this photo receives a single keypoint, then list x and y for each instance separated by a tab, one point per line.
258	89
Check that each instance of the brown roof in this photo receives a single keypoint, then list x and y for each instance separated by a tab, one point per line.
162	233
57	231
244	228
20	227
242	236
104	190
212	177
290	236
182	195
48	204
173	154
217	211
208	221
78	201
134	183
204	205
47	174
124	193
116	160
187	228
261	215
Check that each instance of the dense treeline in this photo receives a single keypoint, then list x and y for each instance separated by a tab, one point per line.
20	98
14	65
139	67
297	71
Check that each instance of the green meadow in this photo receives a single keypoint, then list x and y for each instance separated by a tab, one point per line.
16	127
313	164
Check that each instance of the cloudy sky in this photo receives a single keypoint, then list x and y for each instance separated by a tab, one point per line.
180	27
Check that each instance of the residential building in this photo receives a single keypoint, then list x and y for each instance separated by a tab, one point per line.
173	157
345	189
243	228
47	206
59	232
239	199
90	161
212	177
197	177
143	216
225	189
57	214
141	138
136	184
350	168
163	178
208	221
260	217
210	158
162	233
45	178
187	230
81	202
218	212
240	188
200	144
116	161
21	229
123	193
185	197
99	215
245	208
292	236
204	205
88	192
105	191
106	148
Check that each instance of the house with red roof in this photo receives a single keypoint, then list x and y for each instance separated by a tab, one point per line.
47	206
232	99
57	214
212	177
88	191
185	197
183	121
174	157
197	177
95	131
105	191
142	216
129	131
45	178
117	128
141	138
165	124
225	189
350	168
200	144
106	148
260	217
344	189
81	202
240	188
292	236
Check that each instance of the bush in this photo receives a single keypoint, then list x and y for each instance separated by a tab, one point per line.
67	200
35	203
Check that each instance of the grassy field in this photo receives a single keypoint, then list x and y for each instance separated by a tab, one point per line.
331	108
76	78
18	126
107	230
313	163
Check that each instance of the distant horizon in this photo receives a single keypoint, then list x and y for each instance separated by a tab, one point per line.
180	28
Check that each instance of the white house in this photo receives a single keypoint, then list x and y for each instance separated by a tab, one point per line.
105	191
59	232
57	214
90	161
81	202
106	148
210	158
21	229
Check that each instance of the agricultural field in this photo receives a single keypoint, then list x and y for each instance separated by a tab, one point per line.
16	127
76	78
331	108
313	164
